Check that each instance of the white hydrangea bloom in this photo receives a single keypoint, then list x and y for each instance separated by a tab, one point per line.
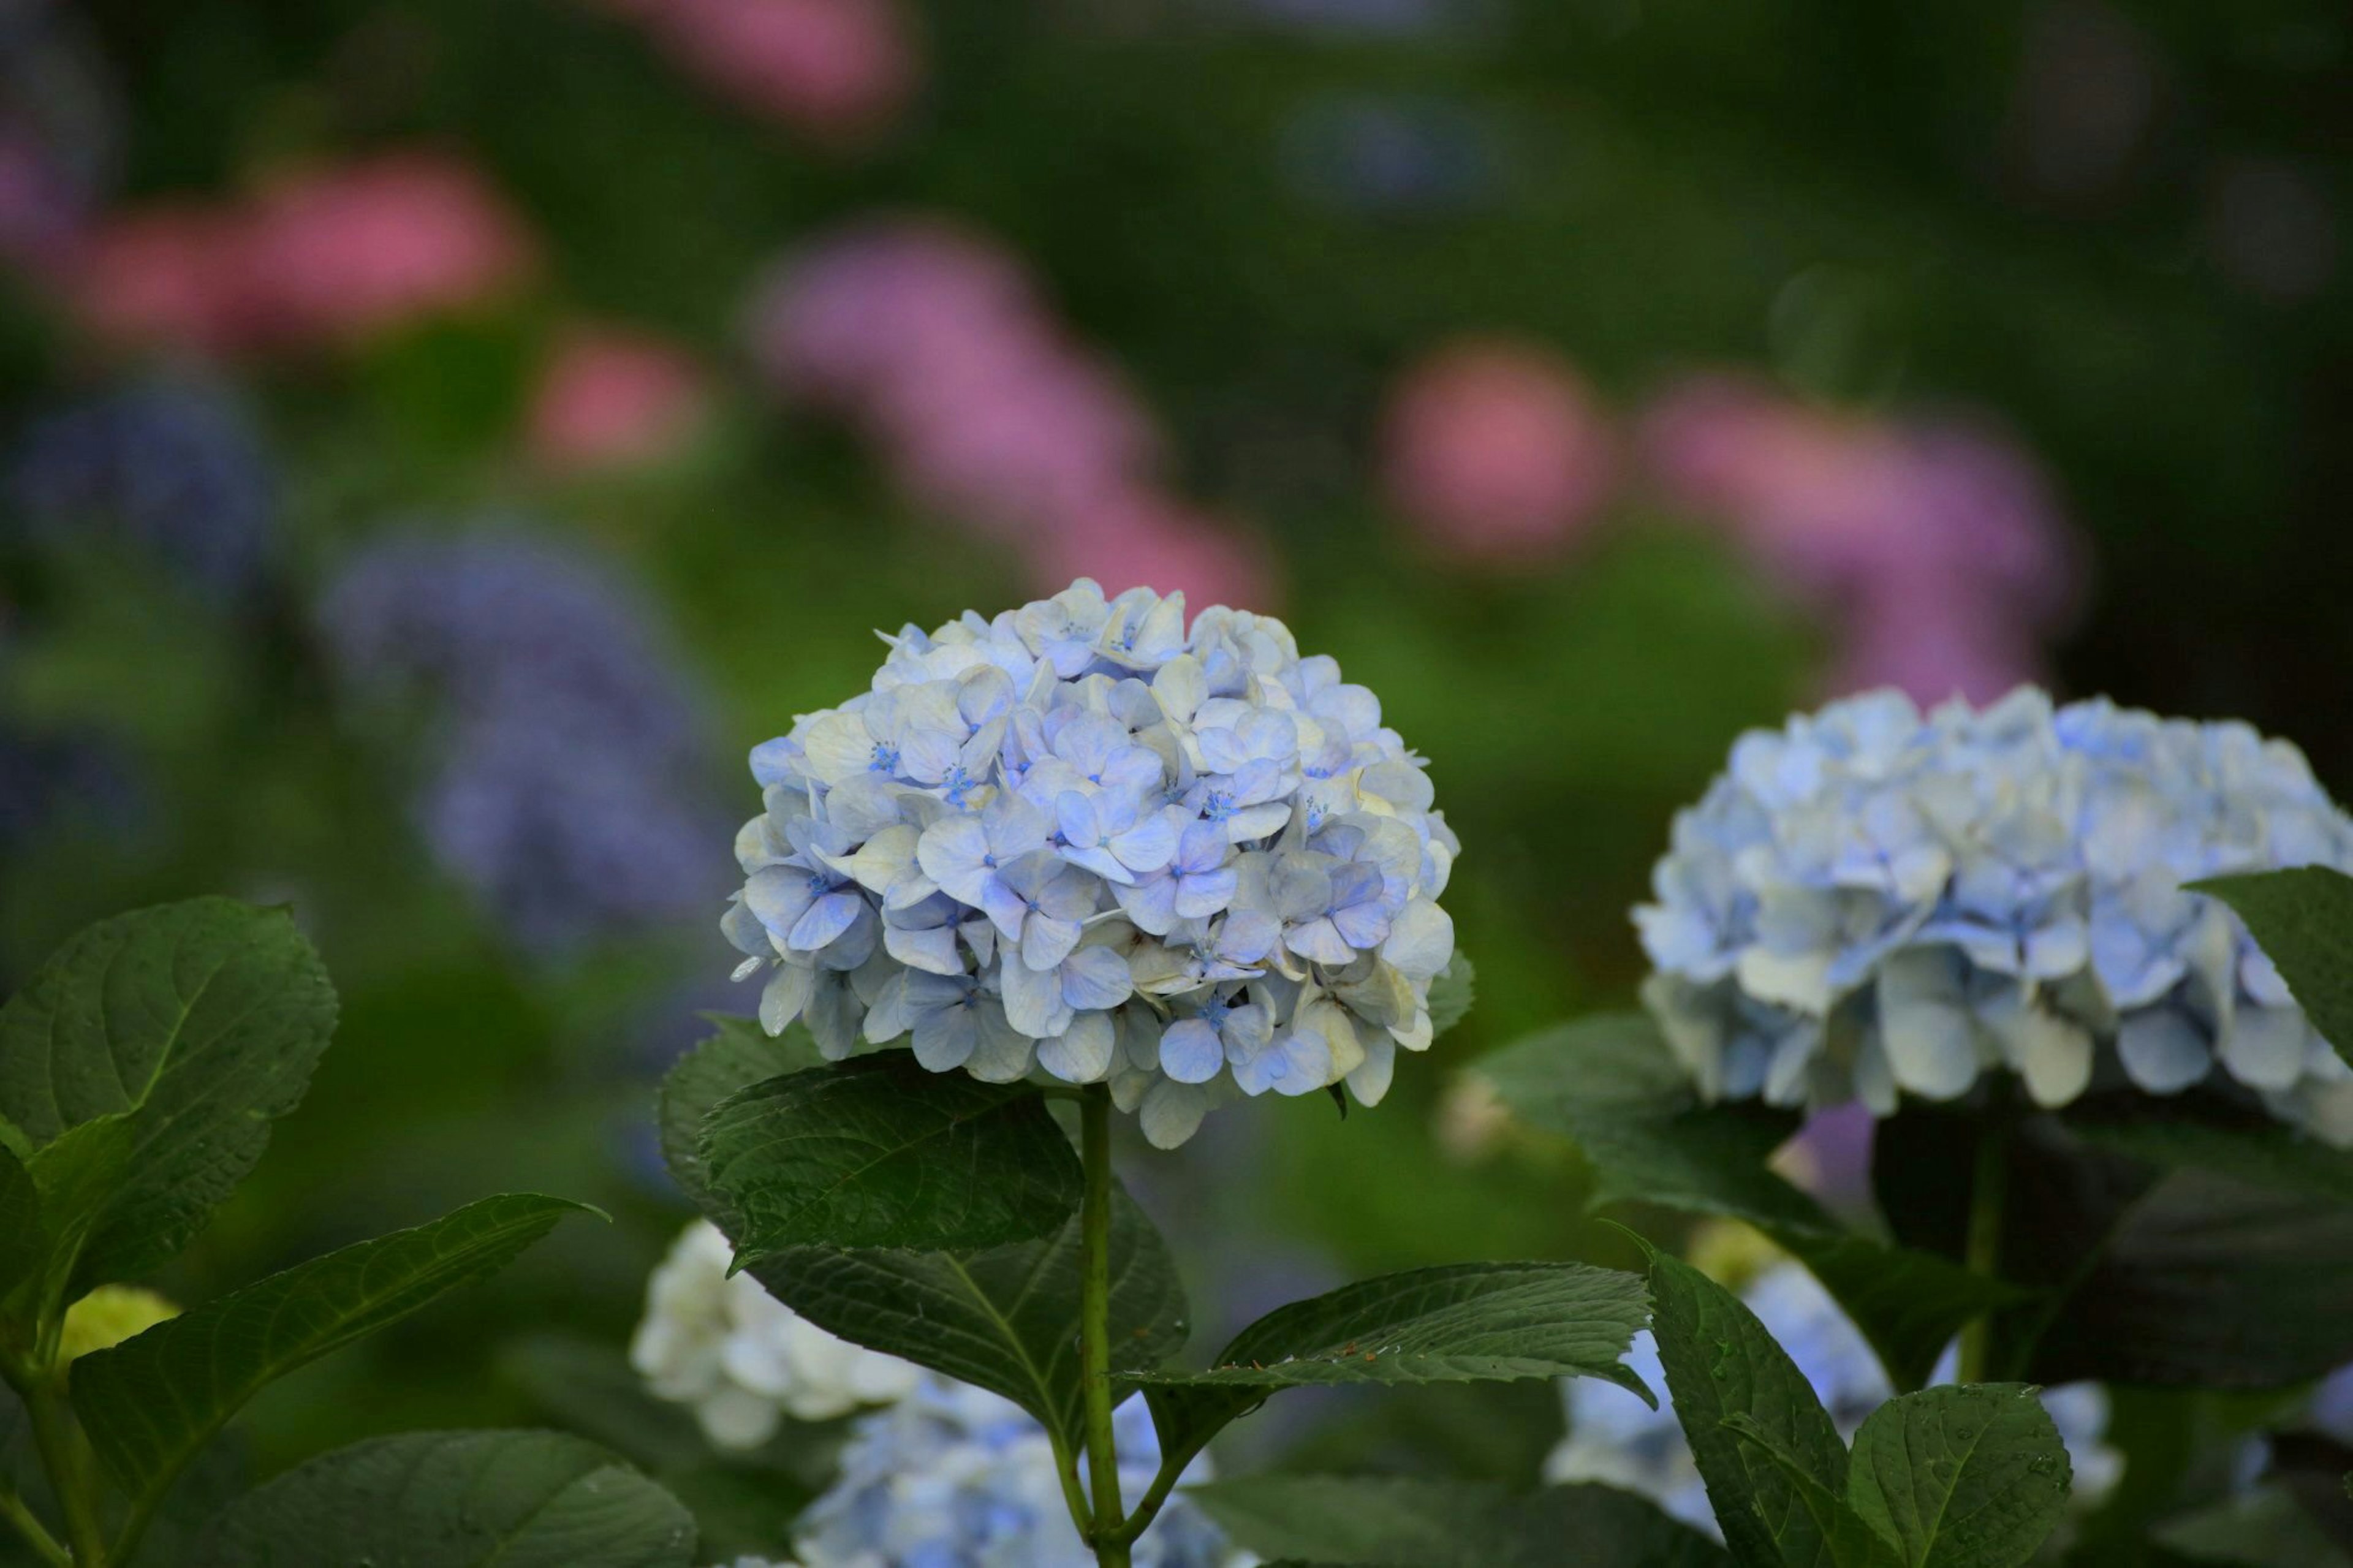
1083	843
743	1360
1871	900
1616	1439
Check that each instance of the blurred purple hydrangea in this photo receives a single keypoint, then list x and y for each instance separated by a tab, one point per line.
171	468
568	793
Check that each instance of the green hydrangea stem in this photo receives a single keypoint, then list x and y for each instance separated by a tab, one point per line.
1109	1538
63	1455
1988	1188
29	1526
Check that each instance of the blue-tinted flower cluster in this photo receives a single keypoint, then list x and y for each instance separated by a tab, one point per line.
953	1473
567	791
1077	840
1872	901
171	468
1617	1439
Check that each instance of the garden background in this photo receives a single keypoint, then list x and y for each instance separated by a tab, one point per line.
436	440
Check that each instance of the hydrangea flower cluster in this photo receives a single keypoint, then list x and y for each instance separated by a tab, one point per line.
743	1360
569	794
1616	1439
955	1474
170	468
1077	841
1871	900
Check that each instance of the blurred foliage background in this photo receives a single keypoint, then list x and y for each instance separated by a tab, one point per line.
440	437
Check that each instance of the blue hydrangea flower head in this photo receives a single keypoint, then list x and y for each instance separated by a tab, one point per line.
171	468
1087	842
953	1473
1617	1439
567	788
1874	901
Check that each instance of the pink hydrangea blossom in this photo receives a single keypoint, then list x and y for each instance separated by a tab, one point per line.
1497	451
935	345
349	251
836	70
172	273
1938	547
611	396
329	255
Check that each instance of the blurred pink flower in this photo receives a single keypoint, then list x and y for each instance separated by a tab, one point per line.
349	251
1497	451
611	396
1938	546
330	255
840	70
171	273
1143	540
933	342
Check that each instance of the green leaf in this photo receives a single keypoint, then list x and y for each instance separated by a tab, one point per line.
1612	1086
1451	994
22	1248
1721	1364
455	1499
1005	1318
1961	1477
2180	1246
2303	920
1397	1522
2212	1283
738	1055
198	1023
1466	1323
877	1151
1847	1538
73	1177
151	1402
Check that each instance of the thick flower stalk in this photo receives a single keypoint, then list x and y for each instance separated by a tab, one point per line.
1081	842
1616	1439
1872	901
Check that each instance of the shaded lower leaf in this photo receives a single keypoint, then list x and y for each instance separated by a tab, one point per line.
1722	1366
878	1152
1961	1477
1468	1322
1396	1522
151	1402
2189	1245
2209	1282
455	1499
20	1224
1003	1318
1610	1085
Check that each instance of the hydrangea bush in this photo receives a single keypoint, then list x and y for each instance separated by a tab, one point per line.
1084	841
1872	901
1085	857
